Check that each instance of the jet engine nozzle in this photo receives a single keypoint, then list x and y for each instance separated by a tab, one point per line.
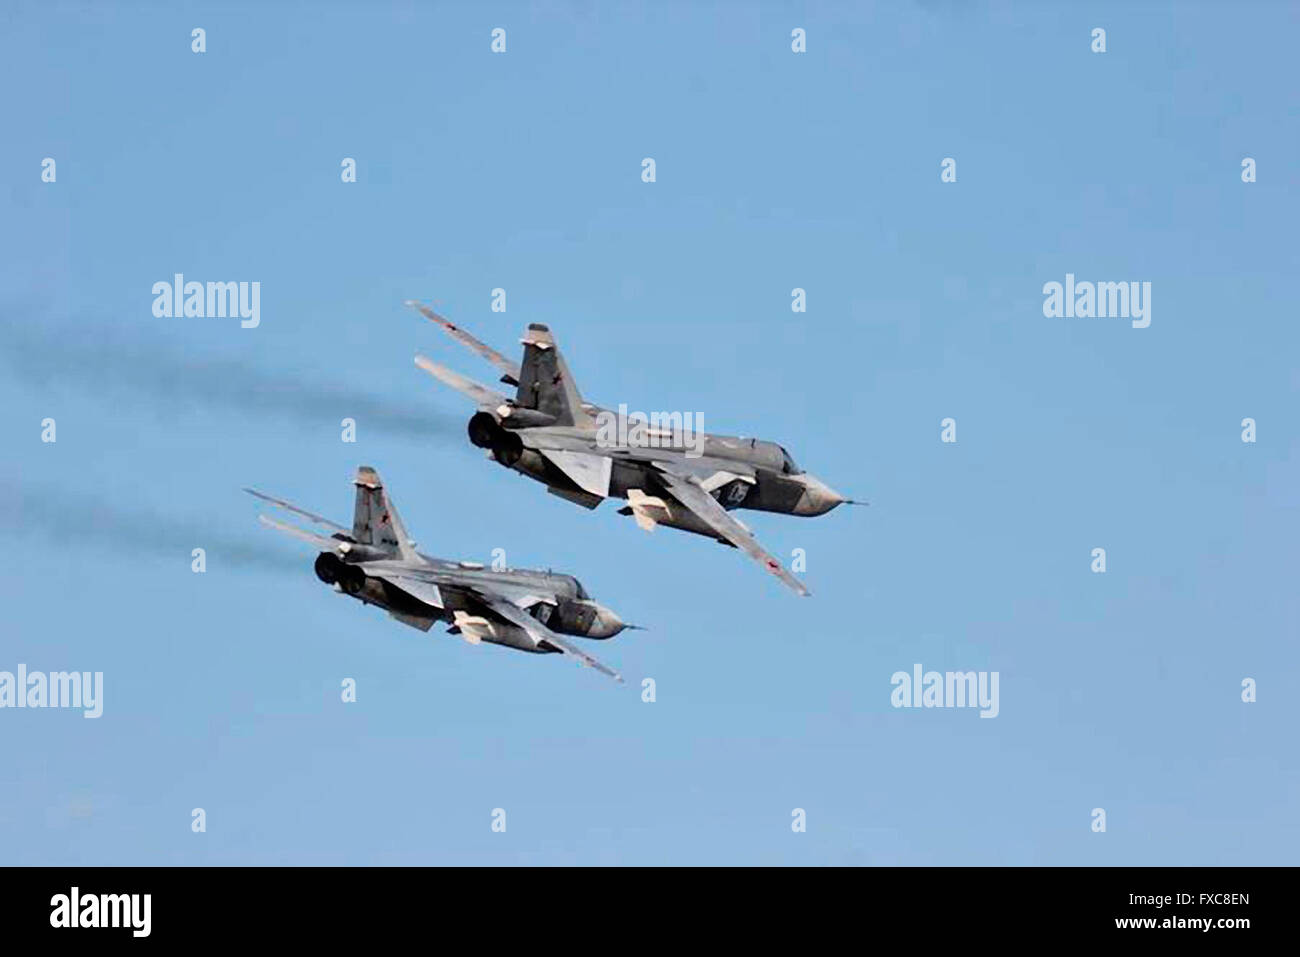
332	570
486	433
328	567
482	427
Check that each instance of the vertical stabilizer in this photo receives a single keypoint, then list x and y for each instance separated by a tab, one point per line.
375	520
544	380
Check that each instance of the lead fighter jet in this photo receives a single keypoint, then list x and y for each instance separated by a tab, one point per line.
549	433
375	562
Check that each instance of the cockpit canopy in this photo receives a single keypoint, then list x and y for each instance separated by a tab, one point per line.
788	465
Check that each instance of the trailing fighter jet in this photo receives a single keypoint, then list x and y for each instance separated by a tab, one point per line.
375	562
582	453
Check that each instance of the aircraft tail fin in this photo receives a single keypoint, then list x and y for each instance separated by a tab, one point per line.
544	380
375	520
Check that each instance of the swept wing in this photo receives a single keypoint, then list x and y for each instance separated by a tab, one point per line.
539	632
509	370
689	491
481	394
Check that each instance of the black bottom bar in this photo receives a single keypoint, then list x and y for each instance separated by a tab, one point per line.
373	905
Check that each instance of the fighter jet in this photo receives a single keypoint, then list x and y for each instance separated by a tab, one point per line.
549	433
376	563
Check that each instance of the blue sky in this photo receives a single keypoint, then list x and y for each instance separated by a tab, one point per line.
774	171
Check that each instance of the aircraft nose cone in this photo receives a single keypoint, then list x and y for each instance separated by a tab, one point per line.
606	625
818	498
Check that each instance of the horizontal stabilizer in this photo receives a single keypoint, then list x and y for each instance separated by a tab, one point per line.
588	471
585	499
415	621
427	592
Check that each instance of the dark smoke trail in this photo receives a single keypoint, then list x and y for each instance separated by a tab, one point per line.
173	378
62	517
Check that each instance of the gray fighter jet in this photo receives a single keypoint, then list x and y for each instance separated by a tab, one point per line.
376	563
583	453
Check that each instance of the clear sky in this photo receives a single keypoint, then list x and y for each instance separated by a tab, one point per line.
775	170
